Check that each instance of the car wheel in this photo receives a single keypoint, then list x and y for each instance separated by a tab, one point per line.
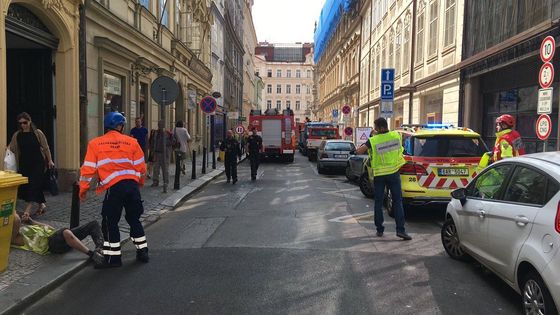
388	203
348	173
365	186
451	242
535	295
320	168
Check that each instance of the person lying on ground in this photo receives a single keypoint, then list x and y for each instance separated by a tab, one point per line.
41	238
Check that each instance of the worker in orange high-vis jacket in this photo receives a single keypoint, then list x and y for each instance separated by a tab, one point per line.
117	160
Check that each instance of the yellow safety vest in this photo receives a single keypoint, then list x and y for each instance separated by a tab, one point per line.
386	153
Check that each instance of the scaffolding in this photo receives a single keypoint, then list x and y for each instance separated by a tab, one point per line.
328	21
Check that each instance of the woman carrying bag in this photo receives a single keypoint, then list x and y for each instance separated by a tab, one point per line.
33	157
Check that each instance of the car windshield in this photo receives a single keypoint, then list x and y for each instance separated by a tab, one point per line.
339	146
447	146
331	133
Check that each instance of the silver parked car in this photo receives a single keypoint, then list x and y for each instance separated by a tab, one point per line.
334	154
357	170
508	218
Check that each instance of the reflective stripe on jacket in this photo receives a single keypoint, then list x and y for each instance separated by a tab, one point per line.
111	158
386	153
508	144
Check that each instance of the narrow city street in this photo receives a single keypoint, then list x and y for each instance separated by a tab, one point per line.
293	242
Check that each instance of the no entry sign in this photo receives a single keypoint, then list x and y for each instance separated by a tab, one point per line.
240	129
544	127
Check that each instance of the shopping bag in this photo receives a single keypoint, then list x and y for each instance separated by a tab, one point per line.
51	181
10	161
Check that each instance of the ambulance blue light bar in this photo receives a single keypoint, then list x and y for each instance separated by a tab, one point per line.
435	126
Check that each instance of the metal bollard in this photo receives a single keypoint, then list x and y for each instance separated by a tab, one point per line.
177	181
75	209
193	164
213	157
204	158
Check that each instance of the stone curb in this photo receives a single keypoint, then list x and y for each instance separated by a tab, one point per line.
14	301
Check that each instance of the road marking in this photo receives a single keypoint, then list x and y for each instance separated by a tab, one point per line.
366	217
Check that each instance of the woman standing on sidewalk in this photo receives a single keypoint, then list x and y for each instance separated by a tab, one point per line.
182	138
33	156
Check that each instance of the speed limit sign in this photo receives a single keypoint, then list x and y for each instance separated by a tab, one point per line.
544	127
548	47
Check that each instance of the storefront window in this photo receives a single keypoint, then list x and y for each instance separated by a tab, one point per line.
143	102
112	93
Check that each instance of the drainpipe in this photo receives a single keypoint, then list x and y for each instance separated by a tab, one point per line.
83	81
413	49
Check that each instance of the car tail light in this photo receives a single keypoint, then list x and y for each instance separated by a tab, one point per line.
411	168
557	221
324	156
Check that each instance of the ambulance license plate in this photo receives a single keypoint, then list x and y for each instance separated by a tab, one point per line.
453	172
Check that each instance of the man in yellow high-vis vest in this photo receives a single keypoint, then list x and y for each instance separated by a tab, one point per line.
386	157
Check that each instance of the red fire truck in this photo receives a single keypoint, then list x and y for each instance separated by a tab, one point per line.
277	131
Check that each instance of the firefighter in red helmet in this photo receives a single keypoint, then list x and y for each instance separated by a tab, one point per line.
508	141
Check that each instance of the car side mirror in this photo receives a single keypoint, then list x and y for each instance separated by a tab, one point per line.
460	194
353	152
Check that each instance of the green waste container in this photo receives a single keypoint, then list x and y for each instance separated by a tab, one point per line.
9	183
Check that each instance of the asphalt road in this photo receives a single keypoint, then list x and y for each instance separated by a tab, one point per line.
293	242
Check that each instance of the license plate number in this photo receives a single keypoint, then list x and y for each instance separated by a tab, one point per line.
453	172
341	156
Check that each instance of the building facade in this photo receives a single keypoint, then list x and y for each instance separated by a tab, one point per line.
249	78
287	74
217	67
40	74
501	66
234	53
422	41
338	71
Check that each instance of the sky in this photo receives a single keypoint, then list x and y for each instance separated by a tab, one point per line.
286	21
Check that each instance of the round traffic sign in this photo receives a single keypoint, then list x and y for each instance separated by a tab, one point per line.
548	47
543	127
164	90
240	129
546	75
346	109
208	104
348	131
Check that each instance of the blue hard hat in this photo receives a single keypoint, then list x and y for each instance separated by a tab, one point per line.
113	120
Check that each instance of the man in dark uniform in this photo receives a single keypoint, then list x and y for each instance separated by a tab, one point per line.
232	152
254	147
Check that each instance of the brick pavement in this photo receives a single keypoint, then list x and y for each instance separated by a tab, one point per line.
23	263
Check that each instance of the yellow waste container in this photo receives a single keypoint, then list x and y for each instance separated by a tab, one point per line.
9	183
222	156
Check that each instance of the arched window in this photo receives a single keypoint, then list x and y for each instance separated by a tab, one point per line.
398	42
433	35
420	24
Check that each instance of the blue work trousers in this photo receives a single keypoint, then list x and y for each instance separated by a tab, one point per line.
393	183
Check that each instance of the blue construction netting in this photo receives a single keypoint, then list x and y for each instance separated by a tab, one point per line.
328	21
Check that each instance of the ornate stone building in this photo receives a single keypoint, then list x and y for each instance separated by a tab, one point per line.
234	53
338	71
250	84
39	74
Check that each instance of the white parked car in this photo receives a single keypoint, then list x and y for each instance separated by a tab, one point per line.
508	219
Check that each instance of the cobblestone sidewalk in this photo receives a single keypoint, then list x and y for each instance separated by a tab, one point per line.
24	263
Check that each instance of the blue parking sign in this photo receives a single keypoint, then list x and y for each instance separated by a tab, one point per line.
335	113
387	84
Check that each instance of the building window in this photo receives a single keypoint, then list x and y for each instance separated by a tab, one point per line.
372	70
288	73
298	89
268	104
143	103
163	13
112	93
288	88
269	88
178	19
433	44
288	104
278	73
269	73
278	105
298	73
308	89
391	47
278	89
449	35
406	44
309	73
398	49
420	32
145	3
298	105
